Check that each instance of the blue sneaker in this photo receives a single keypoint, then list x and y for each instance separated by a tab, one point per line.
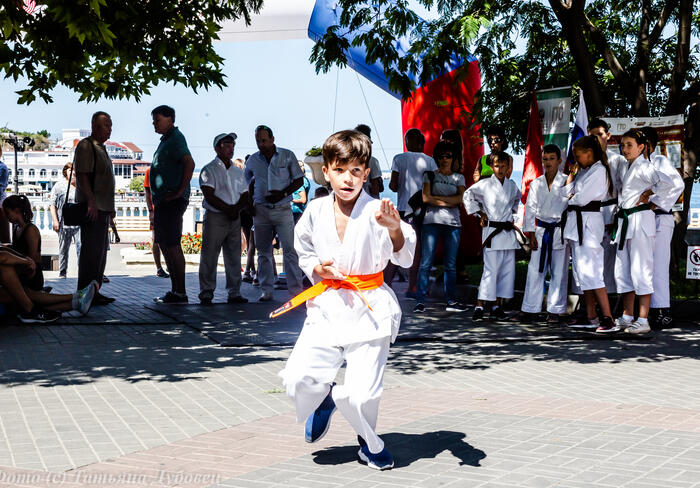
380	461
318	422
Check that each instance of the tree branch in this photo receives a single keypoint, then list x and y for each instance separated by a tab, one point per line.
601	43
665	14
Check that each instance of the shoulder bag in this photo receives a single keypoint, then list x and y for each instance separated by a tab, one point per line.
73	214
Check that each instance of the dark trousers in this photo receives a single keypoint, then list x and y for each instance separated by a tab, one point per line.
93	250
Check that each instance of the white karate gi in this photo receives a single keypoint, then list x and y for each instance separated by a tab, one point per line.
499	202
339	326
591	184
546	205
615	162
635	262
661	298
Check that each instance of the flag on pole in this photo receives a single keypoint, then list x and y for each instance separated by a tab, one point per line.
533	152
580	126
29	6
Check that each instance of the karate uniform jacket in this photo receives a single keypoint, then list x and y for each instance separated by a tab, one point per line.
662	165
636	179
590	184
615	162
547	205
499	202
340	317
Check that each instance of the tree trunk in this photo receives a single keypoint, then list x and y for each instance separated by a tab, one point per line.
638	96
675	103
571	17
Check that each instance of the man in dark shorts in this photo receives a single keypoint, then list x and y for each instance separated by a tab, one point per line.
171	172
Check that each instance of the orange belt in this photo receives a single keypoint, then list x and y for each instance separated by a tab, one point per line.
359	283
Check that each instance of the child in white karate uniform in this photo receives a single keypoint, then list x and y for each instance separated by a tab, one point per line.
344	241
495	200
642	188
600	128
550	254
660	311
589	183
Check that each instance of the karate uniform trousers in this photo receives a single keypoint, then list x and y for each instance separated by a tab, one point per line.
558	270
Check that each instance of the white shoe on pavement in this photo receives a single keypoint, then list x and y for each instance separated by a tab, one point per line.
637	328
622	323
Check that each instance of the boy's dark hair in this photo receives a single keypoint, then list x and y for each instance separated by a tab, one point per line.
501	156
651	135
165	111
414	136
552	149
21	203
593	143
444	147
598	122
364	128
345	146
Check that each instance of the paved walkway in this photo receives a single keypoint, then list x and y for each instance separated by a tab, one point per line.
139	395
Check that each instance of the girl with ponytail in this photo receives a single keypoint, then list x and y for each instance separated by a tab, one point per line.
589	184
26	238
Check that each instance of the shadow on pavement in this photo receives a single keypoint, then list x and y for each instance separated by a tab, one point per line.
409	448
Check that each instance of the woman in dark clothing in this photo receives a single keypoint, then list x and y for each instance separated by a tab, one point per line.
26	238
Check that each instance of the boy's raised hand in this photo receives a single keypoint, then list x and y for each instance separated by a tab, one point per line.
387	215
327	271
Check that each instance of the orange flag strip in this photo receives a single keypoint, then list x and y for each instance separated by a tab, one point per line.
358	283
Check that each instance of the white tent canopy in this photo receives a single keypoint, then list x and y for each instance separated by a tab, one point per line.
277	20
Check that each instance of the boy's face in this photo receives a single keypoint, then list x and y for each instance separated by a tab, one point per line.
602	134
500	169
550	162
346	179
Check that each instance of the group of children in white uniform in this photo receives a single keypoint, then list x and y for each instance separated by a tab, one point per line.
345	240
610	213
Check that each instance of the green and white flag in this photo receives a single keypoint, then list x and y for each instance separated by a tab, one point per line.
555	112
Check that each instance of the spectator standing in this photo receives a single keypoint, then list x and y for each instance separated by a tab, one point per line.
276	176
300	197
171	172
443	192
406	179
67	234
225	195
155	248
496	138
4	180
94	185
373	185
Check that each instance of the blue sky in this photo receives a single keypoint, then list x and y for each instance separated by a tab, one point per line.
269	82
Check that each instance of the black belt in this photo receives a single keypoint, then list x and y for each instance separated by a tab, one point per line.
607	203
499	227
593	206
658	211
546	246
624	214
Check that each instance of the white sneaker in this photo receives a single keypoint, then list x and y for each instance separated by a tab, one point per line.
622	323
637	328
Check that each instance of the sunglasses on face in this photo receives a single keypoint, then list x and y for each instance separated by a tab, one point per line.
494	140
446	156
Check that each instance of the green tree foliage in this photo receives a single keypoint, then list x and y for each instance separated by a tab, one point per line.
631	57
114	48
136	184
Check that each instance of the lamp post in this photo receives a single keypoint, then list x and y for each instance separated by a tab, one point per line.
18	145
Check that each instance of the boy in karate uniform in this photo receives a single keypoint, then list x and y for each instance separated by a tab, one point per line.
344	241
661	298
542	222
495	200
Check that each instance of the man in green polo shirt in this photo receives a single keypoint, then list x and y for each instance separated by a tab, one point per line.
170	175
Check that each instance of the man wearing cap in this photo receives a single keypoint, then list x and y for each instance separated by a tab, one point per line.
170	175
225	195
276	174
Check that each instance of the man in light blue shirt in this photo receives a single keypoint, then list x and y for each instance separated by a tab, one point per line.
276	175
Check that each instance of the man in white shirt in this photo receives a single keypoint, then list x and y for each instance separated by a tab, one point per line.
406	179
276	175
225	194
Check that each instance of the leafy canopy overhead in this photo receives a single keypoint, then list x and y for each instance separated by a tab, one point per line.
114	48
631	57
